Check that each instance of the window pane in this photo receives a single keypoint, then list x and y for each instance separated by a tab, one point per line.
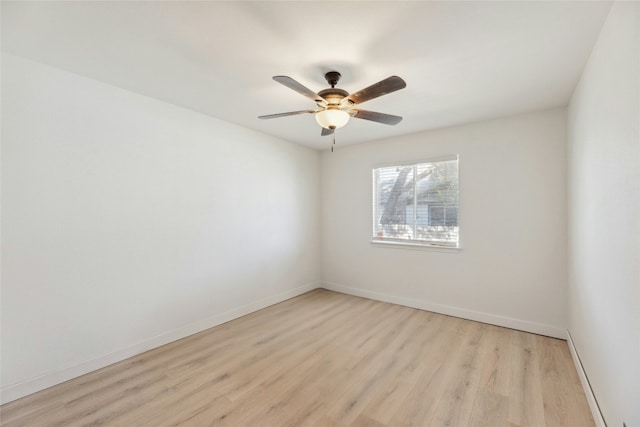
436	215
395	209
452	216
417	202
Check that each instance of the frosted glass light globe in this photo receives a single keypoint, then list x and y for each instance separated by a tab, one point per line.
332	118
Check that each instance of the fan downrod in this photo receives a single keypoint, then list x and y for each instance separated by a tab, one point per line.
332	77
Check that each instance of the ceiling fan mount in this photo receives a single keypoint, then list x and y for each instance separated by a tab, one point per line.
332	77
336	106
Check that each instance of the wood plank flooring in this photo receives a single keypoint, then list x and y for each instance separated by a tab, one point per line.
327	359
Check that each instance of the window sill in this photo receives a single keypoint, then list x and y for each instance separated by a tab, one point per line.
415	246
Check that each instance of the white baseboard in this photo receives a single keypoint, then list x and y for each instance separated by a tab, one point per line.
588	392
24	388
493	319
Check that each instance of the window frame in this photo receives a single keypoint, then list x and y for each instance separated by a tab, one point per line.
410	243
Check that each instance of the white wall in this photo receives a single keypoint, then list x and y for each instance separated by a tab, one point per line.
128	222
604	217
512	266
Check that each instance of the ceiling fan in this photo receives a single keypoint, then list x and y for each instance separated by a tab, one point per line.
336	106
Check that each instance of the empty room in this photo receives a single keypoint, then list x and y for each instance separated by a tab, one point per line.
320	213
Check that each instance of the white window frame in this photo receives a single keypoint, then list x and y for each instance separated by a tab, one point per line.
411	243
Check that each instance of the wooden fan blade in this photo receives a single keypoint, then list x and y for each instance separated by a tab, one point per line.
326	132
300	88
290	113
387	119
383	87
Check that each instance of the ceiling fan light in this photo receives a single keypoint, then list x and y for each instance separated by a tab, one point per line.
332	119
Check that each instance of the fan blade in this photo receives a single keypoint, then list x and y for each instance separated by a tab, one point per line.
301	89
386	119
383	87
290	113
326	132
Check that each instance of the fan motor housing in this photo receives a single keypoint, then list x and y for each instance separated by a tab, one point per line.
333	95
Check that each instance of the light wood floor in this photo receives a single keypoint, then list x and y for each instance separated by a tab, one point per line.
327	359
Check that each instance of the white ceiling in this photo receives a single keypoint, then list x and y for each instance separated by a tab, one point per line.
462	61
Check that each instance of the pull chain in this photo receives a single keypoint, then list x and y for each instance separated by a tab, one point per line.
334	140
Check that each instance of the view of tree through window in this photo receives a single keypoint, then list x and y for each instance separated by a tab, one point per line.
417	202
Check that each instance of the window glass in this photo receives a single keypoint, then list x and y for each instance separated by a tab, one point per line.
417	203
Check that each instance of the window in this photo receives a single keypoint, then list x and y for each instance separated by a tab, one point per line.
417	203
